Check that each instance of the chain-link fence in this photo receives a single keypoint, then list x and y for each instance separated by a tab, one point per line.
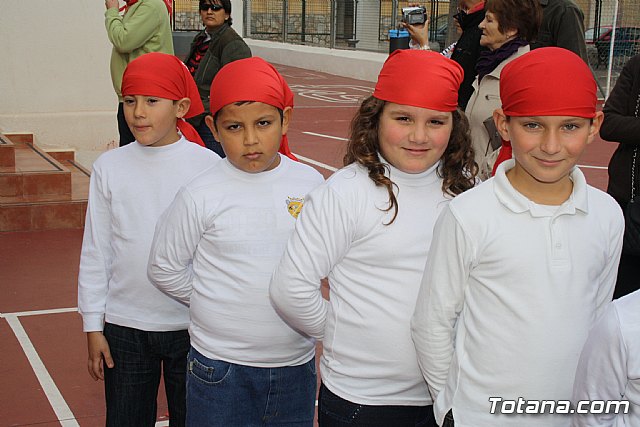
348	24
365	25
186	16
612	36
305	22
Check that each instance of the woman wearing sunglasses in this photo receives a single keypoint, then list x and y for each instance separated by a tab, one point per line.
211	49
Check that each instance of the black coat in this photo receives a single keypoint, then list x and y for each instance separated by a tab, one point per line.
620	125
467	52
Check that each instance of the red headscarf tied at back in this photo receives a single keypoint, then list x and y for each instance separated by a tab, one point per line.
421	79
549	81
165	76
251	79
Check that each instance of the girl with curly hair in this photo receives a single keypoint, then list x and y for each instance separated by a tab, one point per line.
368	229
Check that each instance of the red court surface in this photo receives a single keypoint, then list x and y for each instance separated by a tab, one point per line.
43	353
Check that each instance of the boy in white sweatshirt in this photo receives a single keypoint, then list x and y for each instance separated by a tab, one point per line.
135	333
216	249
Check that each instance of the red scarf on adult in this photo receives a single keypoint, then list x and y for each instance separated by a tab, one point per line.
252	79
129	3
165	76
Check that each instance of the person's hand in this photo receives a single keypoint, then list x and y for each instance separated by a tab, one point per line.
419	32
98	350
111	4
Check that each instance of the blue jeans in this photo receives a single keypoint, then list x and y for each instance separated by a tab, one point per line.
334	411
208	139
226	394
131	386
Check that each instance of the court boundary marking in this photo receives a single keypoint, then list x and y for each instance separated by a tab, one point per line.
61	409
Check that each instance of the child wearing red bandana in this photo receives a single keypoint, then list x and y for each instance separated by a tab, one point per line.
368	230
522	265
215	251
135	333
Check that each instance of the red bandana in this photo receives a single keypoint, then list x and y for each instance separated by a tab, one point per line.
252	79
129	3
421	79
164	76
549	81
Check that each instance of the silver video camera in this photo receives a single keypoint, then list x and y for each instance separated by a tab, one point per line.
414	15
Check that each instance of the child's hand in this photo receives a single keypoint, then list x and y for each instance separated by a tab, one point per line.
98	349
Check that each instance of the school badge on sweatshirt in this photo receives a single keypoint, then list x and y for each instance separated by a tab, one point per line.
294	206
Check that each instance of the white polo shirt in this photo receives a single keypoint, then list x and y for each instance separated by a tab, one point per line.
510	292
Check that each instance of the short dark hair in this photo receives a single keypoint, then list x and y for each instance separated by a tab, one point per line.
524	16
226	5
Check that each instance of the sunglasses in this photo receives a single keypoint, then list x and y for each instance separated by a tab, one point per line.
214	7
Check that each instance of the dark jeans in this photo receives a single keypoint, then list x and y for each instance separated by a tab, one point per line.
448	420
131	386
223	394
208	139
334	411
126	137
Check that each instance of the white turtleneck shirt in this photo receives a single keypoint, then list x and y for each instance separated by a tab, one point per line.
374	270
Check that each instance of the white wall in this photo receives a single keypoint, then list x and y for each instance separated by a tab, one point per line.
54	72
347	63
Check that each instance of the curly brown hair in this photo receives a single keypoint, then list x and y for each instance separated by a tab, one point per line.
458	169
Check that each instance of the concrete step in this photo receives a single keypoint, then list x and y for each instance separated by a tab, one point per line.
40	191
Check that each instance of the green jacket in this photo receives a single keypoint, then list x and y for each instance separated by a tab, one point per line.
225	46
144	28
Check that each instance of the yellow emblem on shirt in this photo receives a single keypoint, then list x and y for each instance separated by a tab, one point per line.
294	206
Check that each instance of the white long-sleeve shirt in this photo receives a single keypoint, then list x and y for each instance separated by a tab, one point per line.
130	187
609	367
215	249
374	273
510	291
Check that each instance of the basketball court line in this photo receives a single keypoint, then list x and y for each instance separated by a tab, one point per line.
57	402
63	412
313	162
325	136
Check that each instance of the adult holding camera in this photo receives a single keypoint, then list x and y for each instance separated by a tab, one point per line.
212	48
507	29
466	50
144	28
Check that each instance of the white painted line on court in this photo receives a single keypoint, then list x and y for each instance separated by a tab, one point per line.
313	162
39	312
325	136
162	423
593	167
57	402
